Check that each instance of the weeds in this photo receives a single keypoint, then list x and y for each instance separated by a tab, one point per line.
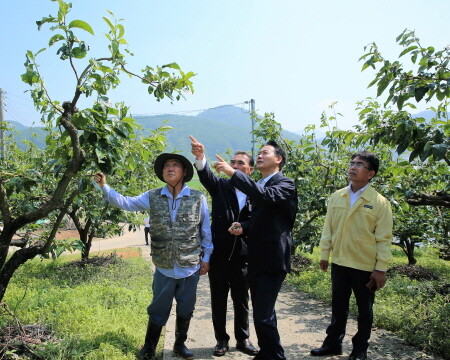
97	312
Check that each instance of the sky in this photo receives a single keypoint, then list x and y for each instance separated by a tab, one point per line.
293	57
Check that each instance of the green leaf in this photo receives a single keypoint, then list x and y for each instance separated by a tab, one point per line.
44	20
382	85
400	131
425	154
439	151
78	53
372	83
121	30
172	66
30	77
55	38
424	61
36	54
414	154
82	184
111	26
401	100
428	146
407	50
420	92
189	75
80	24
402	147
405	206
440	95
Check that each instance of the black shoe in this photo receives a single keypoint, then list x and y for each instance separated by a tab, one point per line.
358	355
246	347
221	348
327	350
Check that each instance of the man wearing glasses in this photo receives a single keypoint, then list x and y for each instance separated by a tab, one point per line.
358	234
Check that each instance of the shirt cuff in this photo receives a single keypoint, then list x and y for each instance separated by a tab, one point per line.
381	266
206	257
200	164
325	255
105	188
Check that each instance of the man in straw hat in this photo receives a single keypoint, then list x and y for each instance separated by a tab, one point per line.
181	246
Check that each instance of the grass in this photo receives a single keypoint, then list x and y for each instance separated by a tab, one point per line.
415	310
94	312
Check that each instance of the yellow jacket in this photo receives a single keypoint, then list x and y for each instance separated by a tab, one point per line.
359	237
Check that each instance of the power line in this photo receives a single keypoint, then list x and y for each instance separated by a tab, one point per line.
20	97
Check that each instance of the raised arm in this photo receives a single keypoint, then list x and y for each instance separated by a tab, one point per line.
130	203
207	178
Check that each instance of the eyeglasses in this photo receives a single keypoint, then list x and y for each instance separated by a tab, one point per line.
358	165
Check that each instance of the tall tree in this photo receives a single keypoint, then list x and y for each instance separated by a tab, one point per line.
425	139
78	140
93	217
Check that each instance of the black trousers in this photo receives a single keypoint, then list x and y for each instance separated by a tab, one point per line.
264	289
345	280
223	277
146	233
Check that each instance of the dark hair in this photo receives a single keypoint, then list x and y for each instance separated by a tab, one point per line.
279	151
374	162
251	161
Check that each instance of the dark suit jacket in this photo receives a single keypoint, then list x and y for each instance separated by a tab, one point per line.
225	211
274	207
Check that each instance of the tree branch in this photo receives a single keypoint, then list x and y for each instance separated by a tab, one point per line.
73	68
73	166
447	160
60	217
441	199
45	89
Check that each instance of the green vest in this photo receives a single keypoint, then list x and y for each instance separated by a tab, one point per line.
177	242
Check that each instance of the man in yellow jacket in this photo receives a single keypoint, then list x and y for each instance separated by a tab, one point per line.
358	234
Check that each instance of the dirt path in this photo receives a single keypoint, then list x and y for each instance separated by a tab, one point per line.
301	321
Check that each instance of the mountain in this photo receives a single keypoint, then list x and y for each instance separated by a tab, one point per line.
219	129
21	133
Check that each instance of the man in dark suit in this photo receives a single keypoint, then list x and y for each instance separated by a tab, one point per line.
228	263
274	206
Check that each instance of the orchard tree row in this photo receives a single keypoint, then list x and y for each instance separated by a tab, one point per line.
55	183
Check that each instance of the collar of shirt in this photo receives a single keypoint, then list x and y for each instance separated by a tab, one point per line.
264	181
241	197
354	196
185	191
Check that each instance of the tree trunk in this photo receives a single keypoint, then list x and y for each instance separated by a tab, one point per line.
21	256
84	232
87	247
410	252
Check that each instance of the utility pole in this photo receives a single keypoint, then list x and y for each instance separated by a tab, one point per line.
2	130
252	116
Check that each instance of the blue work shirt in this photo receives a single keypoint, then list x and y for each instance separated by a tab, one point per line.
142	203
